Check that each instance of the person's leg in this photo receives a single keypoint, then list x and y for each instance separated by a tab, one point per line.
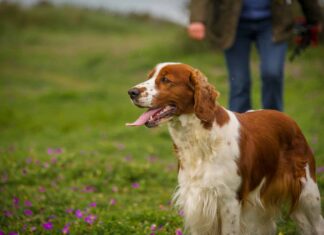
272	57
238	66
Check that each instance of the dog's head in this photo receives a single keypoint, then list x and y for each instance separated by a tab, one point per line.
173	89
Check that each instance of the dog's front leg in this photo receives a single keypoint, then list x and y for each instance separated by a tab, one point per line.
230	216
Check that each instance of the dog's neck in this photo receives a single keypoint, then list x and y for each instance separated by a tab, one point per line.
195	143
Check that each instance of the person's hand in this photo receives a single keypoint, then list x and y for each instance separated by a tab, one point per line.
197	31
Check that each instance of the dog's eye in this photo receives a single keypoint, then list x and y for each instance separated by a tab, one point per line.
165	80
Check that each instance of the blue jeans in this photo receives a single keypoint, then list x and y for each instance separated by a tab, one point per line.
272	56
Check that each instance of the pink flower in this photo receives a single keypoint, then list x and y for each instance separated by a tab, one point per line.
78	214
90	219
15	201
135	185
66	229
28	212
89	189
28	203
113	202
13	233
93	204
41	189
53	160
48	225
181	213
69	211
178	231
7	213
52	151
153	227
2	232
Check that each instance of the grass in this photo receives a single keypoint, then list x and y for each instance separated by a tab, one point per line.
64	76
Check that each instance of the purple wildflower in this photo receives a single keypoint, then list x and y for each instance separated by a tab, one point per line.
181	213
13	233
48	225
15	201
69	211
320	169
135	185
32	229
90	219
78	214
2	232
89	189
28	203
50	151
178	231
153	227
28	212
113	202
66	229
92	204
7	213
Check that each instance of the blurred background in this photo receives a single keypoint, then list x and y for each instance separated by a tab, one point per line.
68	164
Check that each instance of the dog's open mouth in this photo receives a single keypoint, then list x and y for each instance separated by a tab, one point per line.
154	117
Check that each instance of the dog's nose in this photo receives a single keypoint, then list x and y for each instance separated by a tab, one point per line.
134	93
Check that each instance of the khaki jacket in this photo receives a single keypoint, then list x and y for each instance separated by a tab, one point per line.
221	18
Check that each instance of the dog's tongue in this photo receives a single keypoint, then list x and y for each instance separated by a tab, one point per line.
144	117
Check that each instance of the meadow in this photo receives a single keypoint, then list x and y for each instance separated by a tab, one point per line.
68	164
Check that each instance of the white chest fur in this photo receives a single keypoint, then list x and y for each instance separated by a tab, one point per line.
208	175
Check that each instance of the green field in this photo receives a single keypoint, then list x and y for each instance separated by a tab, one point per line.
66	157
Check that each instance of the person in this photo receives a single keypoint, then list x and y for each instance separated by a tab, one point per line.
233	25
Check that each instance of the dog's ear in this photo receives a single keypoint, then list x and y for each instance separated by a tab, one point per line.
204	97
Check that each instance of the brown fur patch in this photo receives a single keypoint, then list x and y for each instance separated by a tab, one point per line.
273	148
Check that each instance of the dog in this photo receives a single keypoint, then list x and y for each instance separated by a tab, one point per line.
236	170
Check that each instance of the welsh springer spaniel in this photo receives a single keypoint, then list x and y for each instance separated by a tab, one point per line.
235	170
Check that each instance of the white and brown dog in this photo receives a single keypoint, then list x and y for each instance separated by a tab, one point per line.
235	170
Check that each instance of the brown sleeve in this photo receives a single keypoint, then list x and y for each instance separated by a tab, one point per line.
198	10
311	10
